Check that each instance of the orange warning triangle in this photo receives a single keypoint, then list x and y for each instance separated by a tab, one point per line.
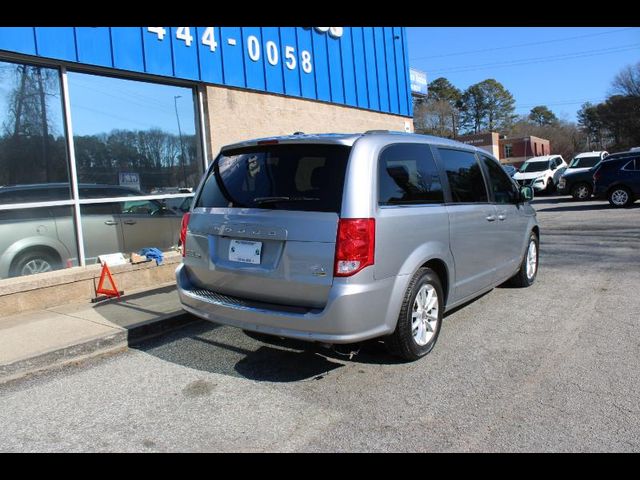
101	289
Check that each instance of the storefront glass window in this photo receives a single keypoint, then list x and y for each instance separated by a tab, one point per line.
136	135
33	152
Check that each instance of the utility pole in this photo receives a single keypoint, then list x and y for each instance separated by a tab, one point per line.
184	173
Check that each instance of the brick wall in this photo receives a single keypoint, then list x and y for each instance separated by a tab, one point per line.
236	115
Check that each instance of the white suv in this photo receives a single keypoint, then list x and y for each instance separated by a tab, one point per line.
584	161
541	173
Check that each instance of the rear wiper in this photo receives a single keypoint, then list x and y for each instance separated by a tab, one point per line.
260	200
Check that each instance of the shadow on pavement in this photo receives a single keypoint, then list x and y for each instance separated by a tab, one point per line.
576	207
229	351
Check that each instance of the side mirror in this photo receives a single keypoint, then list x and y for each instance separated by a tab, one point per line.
526	194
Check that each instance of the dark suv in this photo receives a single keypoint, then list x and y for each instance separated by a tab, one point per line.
618	179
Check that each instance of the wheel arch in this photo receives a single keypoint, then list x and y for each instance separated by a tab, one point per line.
441	269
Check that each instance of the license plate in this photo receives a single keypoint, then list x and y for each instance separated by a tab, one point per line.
245	251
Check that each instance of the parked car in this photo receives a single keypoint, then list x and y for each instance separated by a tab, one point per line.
577	184
36	240
340	238
618	179
541	173
578	181
510	169
584	161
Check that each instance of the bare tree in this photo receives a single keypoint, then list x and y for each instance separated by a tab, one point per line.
627	82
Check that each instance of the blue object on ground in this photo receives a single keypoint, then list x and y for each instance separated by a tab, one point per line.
153	254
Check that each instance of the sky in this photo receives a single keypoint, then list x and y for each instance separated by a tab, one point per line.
560	67
100	104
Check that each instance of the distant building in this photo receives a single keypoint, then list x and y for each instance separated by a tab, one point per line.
512	150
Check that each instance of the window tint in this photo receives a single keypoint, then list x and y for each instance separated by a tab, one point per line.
407	174
502	186
465	178
285	177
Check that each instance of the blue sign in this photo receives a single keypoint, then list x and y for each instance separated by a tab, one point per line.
418	81
364	67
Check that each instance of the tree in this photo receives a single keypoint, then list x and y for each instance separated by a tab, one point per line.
475	108
620	118
488	106
445	102
627	82
500	104
541	115
591	125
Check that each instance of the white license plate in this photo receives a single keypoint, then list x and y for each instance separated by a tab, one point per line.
245	251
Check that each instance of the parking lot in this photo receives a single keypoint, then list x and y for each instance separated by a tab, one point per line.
554	367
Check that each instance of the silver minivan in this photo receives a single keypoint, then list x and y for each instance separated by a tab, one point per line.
340	238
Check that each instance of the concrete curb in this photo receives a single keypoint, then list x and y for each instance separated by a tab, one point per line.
94	347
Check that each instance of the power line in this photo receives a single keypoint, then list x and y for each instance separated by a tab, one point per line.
528	61
469	52
563	102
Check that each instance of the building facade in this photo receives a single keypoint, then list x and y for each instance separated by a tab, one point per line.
513	150
107	131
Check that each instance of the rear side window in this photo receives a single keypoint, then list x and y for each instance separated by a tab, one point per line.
308	177
633	165
407	174
465	177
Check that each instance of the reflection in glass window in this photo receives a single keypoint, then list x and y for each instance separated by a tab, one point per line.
504	191
134	134
128	227
36	240
408	175
465	178
32	140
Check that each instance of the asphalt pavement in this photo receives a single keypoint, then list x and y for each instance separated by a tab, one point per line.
554	367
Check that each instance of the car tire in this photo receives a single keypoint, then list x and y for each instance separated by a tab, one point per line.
528	270
581	191
34	261
420	317
620	197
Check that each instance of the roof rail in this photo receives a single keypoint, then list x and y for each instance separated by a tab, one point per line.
298	133
369	132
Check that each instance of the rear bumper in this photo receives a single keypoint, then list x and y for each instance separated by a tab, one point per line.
354	312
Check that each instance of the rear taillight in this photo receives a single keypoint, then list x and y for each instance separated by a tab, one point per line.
355	245
596	175
183	232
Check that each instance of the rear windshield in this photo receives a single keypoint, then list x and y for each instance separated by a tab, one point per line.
584	162
307	177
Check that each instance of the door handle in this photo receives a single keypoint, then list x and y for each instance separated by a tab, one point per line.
491	218
111	222
501	216
130	222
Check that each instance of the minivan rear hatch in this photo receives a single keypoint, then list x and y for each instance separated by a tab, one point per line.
264	225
